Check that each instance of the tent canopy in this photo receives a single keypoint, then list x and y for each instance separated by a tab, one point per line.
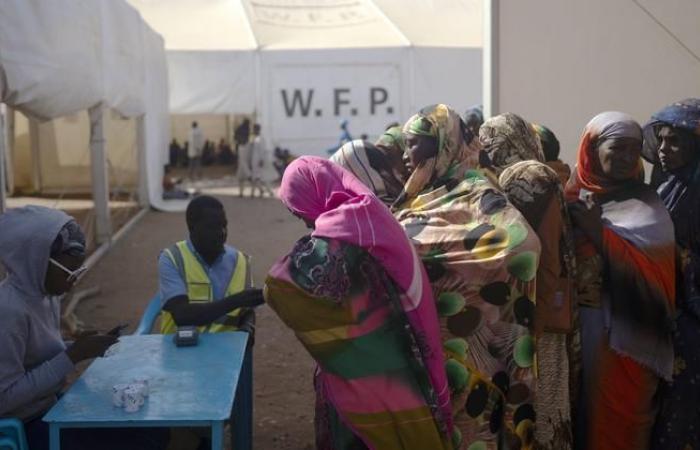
303	66
61	57
52	70
277	24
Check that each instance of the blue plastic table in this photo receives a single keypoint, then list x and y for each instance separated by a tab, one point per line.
189	387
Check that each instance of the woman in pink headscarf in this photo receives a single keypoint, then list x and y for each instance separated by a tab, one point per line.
358	298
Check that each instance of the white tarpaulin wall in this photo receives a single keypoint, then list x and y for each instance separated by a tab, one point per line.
584	57
301	67
63	165
62	57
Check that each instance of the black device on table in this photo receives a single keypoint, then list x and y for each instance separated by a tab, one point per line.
186	336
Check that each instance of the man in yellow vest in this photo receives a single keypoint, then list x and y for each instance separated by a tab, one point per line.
208	284
203	281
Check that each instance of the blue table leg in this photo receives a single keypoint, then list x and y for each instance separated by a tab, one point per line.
242	427
54	437
217	436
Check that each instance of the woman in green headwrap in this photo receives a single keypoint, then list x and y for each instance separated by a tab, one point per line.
481	256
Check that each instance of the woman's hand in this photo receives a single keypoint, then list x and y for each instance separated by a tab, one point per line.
588	219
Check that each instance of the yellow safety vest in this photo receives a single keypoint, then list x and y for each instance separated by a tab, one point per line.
199	288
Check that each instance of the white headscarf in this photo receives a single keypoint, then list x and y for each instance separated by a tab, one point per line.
615	124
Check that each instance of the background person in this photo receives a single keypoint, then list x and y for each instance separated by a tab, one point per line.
672	140
244	169
195	149
263	172
241	135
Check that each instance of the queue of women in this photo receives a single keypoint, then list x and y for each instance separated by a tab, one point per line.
456	294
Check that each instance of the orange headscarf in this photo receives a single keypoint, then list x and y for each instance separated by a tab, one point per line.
588	174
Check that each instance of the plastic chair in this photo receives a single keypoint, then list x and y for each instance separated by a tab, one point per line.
149	316
12	435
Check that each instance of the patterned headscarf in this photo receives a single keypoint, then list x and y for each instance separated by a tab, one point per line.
681	192
507	139
457	149
392	140
371	166
683	115
527	181
589	175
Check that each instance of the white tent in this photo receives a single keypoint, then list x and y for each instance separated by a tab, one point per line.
302	66
65	56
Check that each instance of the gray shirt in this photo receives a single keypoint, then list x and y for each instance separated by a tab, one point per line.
33	361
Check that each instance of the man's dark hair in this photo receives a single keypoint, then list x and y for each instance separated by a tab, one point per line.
194	124
198	208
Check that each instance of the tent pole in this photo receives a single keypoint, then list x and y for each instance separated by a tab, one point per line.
258	92
228	131
412	80
10	148
490	58
143	160
34	148
100	175
2	162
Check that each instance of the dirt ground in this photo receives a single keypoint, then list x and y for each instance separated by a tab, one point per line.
263	228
